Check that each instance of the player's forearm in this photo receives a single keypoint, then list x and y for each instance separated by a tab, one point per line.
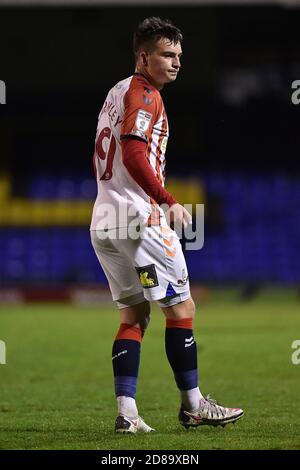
134	159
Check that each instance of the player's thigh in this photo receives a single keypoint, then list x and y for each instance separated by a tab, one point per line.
160	264
119	271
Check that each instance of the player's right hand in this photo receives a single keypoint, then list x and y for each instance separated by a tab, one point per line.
178	216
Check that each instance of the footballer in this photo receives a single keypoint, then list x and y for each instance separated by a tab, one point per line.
129	162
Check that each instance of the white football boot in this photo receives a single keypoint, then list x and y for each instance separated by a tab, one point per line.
125	425
210	413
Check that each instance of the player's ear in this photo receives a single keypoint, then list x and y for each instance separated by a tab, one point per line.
144	58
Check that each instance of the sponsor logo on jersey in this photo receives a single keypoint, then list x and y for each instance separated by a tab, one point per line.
147	276
164	144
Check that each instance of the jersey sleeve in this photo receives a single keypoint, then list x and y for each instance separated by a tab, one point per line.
140	113
139	168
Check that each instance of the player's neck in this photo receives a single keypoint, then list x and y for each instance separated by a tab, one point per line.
148	77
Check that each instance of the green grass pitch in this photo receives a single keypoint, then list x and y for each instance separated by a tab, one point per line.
56	389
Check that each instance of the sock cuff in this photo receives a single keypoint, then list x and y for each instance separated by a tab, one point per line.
186	323
127	331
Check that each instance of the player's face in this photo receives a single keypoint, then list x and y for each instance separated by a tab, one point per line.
163	64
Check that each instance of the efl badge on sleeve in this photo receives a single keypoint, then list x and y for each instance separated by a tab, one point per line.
143	120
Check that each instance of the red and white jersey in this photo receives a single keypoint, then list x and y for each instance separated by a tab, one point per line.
132	107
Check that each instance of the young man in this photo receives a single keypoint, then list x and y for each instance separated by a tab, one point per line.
129	163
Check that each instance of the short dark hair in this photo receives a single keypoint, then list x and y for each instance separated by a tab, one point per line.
151	30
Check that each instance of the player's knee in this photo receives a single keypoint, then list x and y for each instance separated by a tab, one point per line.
190	308
136	315
144	315
145	322
185	309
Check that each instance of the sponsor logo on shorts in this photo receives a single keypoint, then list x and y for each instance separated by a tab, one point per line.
184	280
148	276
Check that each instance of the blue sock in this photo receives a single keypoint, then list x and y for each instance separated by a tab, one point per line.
126	360
181	351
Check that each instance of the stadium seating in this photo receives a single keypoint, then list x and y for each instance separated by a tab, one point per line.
257	241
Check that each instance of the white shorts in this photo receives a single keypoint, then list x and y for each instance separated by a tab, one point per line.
151	267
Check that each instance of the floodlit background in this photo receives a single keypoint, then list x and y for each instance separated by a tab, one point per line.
233	146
